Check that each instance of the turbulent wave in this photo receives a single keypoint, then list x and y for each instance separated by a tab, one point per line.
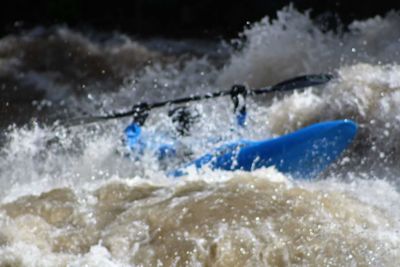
70	196
293	44
248	219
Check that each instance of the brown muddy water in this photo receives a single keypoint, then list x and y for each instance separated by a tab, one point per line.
70	196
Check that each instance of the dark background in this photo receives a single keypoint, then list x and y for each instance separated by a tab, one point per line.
174	18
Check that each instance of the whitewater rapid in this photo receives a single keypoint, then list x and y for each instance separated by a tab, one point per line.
69	196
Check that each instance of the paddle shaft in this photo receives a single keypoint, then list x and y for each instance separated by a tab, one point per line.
295	83
140	110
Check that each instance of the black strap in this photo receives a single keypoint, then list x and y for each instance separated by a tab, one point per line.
140	113
183	118
236	91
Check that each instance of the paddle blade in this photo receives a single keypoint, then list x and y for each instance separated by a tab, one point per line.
296	83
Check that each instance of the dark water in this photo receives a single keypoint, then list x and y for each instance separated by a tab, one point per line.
69	196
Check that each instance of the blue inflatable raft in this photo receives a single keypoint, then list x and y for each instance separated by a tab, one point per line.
302	154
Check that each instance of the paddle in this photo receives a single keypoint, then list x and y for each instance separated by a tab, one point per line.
140	110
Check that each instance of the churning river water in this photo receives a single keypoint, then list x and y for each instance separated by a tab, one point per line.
69	195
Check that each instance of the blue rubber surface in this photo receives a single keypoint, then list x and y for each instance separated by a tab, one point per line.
302	154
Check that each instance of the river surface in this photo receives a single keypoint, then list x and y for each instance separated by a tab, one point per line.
70	195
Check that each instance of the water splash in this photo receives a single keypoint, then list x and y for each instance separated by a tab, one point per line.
70	196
